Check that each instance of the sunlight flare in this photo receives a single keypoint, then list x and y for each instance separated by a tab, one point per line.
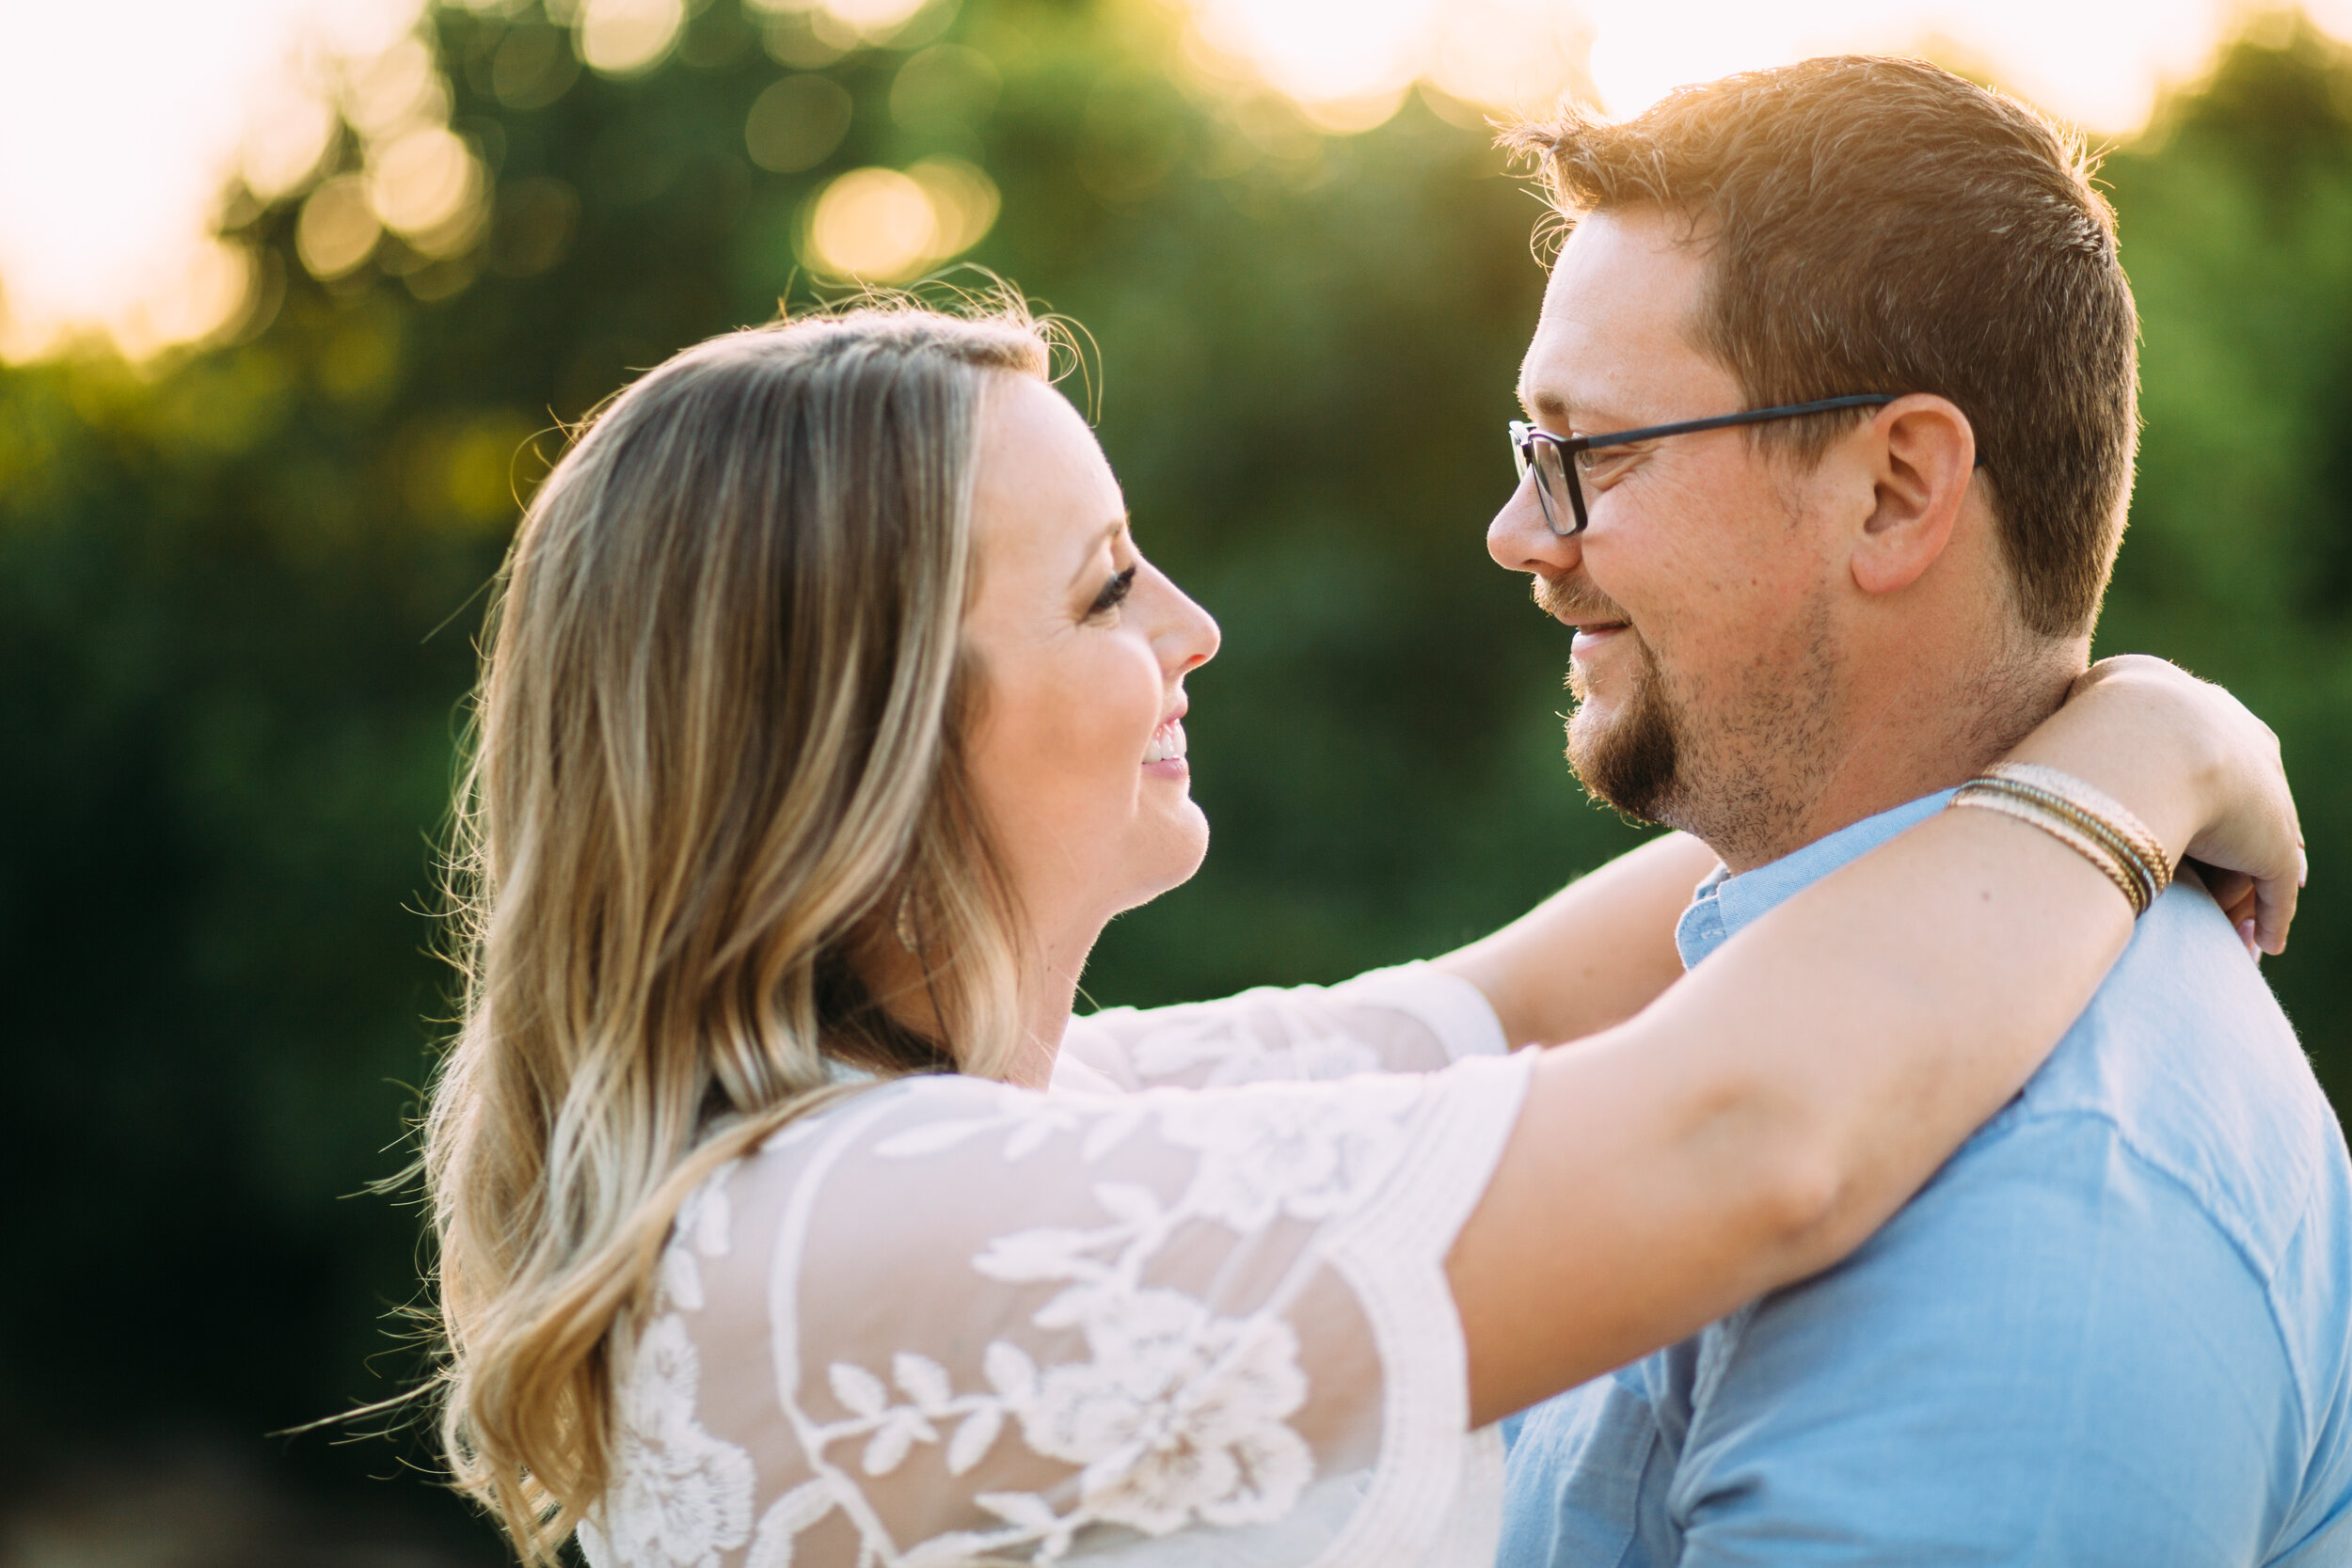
131	129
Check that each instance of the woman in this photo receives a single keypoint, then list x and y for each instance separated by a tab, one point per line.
829	715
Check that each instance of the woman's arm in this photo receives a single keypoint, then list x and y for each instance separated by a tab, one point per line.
1763	1117
1595	952
1591	954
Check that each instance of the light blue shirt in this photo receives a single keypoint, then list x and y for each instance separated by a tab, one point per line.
2114	1332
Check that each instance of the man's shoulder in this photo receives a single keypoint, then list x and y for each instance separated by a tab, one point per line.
2185	1058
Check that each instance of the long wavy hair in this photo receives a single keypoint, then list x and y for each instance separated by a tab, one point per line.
715	749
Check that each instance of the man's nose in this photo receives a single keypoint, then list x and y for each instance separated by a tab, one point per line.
1520	541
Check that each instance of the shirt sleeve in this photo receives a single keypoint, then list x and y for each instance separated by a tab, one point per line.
1409	1018
2059	1359
954	1322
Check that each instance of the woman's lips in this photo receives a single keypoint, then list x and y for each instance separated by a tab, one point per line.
1165	753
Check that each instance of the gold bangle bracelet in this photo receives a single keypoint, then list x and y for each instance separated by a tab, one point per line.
2063	828
2087	797
2098	813
2126	855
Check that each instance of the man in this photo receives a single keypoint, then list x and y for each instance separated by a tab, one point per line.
2114	1330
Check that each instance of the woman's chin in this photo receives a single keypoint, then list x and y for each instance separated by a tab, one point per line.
1174	854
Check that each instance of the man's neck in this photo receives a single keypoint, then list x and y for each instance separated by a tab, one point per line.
1896	744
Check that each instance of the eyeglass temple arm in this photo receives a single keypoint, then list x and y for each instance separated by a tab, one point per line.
1753	416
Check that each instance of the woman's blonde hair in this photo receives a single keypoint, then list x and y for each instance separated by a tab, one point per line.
716	748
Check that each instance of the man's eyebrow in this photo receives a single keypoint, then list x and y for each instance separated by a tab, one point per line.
1550	407
1543	403
1111	530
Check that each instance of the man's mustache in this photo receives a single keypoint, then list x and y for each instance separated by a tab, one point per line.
1575	599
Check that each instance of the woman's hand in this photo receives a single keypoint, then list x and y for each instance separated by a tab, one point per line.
1760	1118
2230	810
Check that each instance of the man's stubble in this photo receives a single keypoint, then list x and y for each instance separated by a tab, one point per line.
1739	763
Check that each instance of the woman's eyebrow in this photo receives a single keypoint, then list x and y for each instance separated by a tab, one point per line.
1111	531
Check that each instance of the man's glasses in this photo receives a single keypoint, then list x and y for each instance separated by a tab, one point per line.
1556	459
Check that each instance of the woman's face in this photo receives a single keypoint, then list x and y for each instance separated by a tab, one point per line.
1077	755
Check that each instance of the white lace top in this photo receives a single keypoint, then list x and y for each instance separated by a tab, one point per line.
1183	1310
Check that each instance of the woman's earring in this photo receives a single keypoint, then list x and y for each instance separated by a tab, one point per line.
908	936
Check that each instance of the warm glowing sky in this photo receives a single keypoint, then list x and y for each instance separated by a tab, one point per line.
121	121
2099	62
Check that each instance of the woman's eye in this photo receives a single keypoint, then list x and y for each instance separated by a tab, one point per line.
1113	592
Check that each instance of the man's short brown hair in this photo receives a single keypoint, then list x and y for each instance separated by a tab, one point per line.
1882	225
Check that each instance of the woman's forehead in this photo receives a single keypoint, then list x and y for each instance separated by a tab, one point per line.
1037	456
1043	496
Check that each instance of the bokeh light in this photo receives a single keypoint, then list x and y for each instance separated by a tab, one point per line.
2102	63
624	37
881	226
290	133
963	204
813	33
423	180
398	89
128	127
945	87
121	126
534	65
339	229
873	224
873	20
133	131
796	122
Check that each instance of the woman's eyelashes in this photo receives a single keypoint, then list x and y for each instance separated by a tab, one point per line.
1113	592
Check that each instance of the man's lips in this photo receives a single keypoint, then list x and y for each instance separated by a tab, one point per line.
1579	607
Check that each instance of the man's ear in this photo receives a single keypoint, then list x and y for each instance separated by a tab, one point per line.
1924	452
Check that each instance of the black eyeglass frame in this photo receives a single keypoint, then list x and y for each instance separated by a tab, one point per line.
1529	444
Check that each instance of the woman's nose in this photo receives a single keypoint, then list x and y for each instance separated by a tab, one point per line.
1191	638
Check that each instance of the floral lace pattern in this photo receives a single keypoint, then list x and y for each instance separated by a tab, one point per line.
681	1496
1306	1033
1102	1335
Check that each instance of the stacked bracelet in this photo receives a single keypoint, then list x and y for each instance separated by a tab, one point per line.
2096	826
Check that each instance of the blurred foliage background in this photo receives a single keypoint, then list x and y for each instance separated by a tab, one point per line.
238	588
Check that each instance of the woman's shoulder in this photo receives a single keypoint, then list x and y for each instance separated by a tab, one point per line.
994	1320
915	1182
1412	1018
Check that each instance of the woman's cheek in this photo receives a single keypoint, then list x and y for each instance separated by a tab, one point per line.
1112	700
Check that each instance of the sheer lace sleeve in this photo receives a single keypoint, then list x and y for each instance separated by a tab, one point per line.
1409	1018
952	1321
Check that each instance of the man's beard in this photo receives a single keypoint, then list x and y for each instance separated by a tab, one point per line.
1739	764
1633	761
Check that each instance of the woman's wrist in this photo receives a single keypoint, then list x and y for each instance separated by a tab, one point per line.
2087	819
2199	769
2143	732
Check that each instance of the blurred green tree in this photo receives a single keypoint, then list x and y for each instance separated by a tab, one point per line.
2236	210
237	592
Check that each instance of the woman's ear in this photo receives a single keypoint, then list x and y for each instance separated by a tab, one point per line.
1925	452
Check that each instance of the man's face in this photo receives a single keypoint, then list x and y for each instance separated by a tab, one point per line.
1705	655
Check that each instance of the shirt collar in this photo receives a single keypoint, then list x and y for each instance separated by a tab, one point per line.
1725	905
